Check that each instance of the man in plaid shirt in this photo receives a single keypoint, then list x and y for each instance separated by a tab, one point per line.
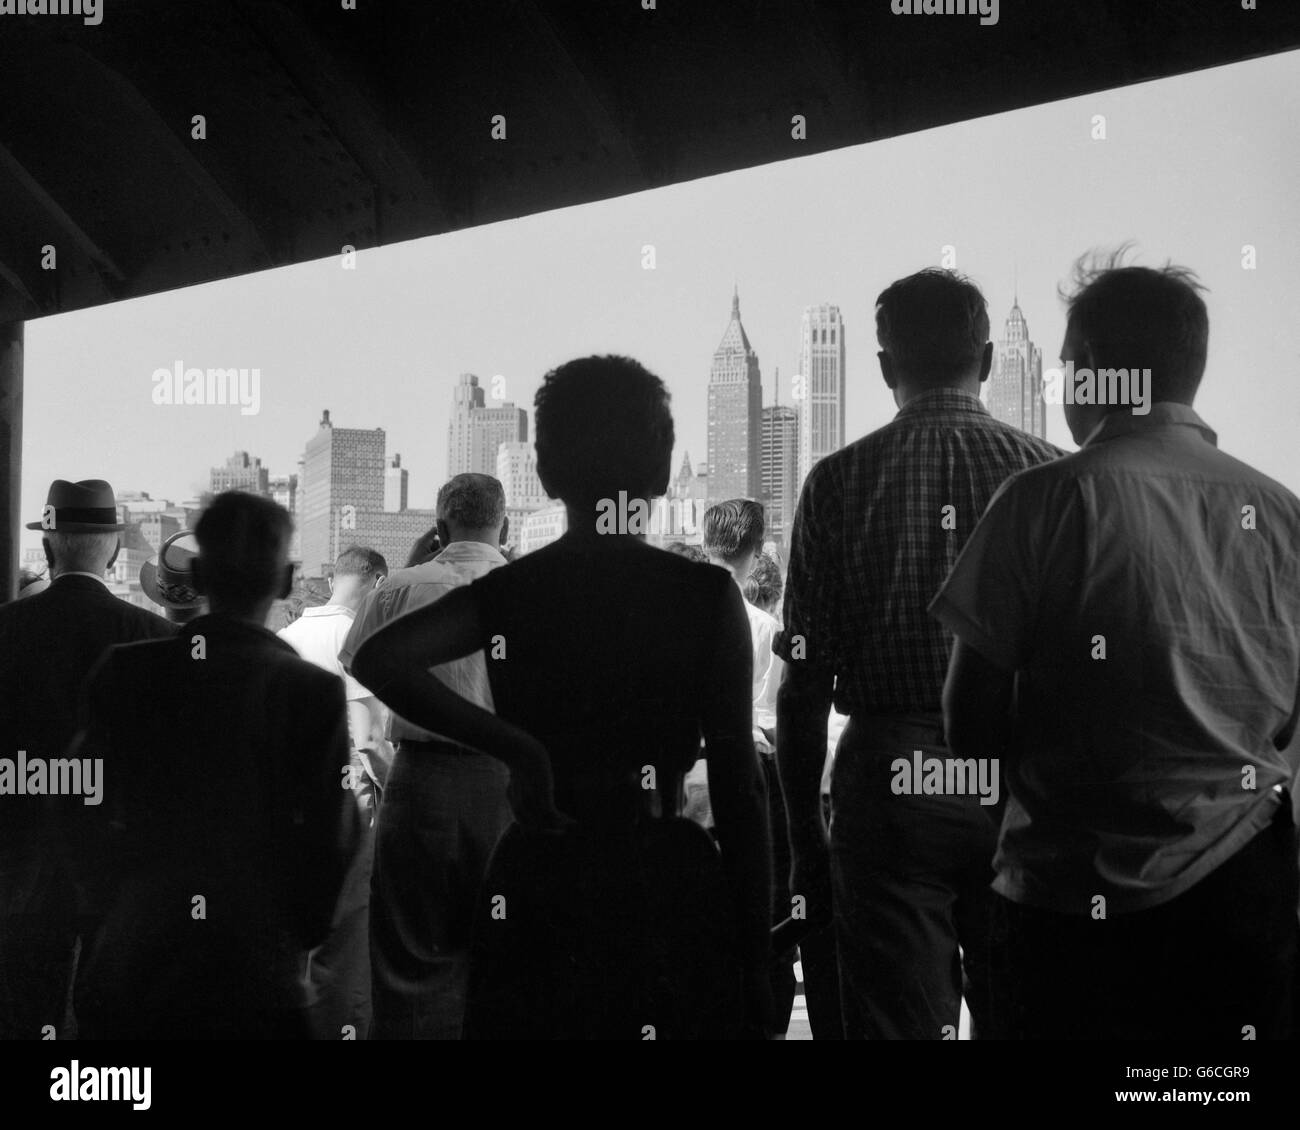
879	525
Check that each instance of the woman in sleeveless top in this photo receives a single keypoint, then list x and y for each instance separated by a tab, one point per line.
603	914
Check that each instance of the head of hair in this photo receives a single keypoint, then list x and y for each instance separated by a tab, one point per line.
690	552
933	325
472	502
763	585
243	549
81	552
361	561
733	528
603	425
1140	318
426	546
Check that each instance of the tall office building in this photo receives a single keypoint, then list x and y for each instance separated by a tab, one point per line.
475	432
284	490
779	458
1015	384
342	468
734	414
395	485
821	406
241	472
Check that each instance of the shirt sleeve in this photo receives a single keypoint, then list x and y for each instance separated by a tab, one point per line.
990	598
810	615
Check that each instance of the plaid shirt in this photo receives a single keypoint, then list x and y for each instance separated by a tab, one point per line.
871	546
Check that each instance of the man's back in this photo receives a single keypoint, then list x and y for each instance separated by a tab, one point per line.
878	527
1147	591
224	755
48	644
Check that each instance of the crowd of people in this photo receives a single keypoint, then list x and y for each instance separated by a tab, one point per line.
587	793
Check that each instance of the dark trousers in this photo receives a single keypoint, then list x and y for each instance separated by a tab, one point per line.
783	979
38	938
910	879
1211	964
441	815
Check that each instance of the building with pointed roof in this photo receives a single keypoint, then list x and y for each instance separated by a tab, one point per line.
734	414
1014	390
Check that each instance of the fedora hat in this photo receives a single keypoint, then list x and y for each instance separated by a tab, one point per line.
87	507
169	580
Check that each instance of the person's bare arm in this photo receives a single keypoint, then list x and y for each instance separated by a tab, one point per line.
738	798
803	705
977	704
394	663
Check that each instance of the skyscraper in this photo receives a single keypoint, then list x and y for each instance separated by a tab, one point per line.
475	432
735	414
342	468
821	405
1015	384
241	472
779	457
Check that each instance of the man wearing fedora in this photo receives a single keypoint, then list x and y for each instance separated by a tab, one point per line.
48	643
169	579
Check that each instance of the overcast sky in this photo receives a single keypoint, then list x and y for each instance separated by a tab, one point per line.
1192	168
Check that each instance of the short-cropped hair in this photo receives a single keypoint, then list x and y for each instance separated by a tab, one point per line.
472	501
243	544
690	552
83	552
933	324
1141	318
603	425
733	528
360	561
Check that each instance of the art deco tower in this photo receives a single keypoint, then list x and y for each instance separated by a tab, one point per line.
735	414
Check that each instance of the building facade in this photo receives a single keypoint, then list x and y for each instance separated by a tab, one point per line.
779	458
343	475
475	432
395	485
735	409
821	400
241	472
1014	390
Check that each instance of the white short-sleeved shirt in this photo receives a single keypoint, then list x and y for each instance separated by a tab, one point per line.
1146	593
318	635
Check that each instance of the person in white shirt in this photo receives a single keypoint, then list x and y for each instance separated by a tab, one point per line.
733	538
340	970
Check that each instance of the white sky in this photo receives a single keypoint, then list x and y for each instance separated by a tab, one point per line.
1192	169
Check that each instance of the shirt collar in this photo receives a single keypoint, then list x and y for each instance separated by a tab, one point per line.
470	551
944	400
79	573
1163	414
327	610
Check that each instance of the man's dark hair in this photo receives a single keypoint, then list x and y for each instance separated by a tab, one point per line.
690	552
933	324
763	585
472	501
243	539
360	561
733	528
1141	318
603	425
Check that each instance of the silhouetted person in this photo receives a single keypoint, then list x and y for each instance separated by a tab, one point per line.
878	526
445	805
48	642
1142	600
225	833
607	658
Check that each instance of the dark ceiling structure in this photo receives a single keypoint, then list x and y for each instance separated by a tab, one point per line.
329	125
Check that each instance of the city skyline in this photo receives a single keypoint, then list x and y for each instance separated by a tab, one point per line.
1189	170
